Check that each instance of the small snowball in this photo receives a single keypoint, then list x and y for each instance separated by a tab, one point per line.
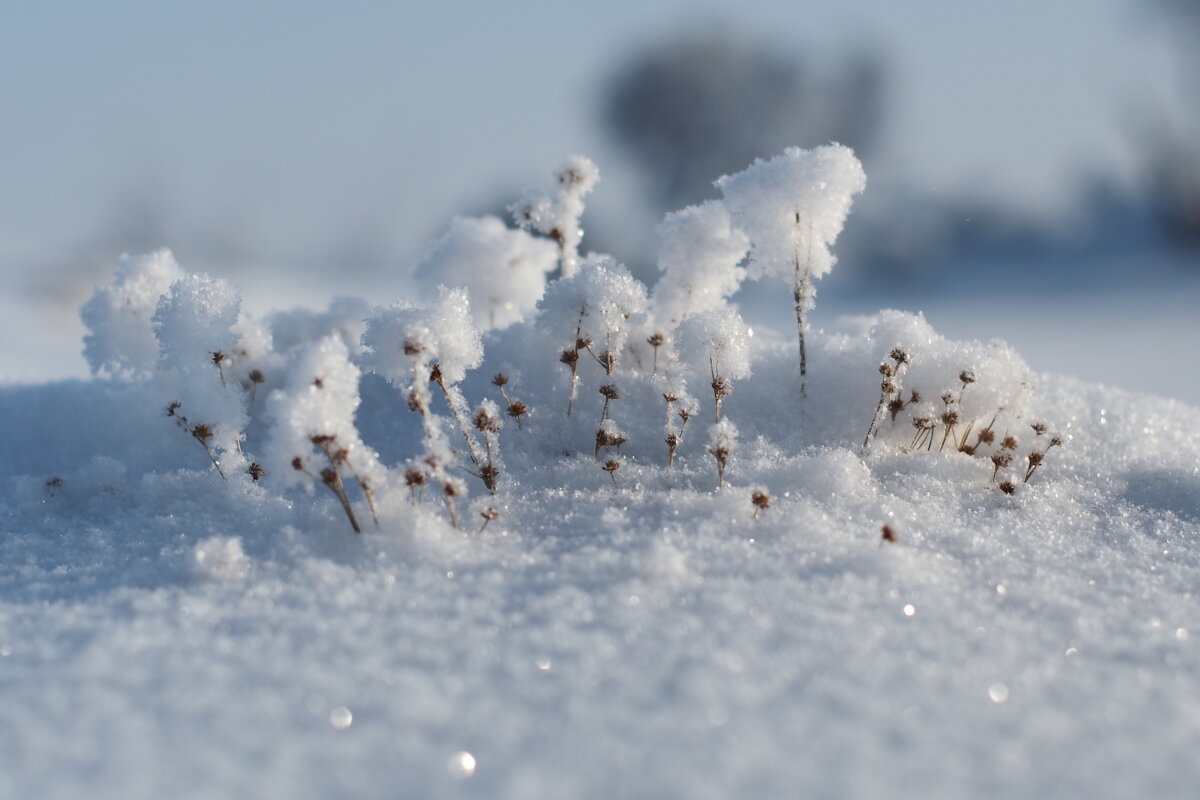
720	336
442	332
503	270
699	257
221	558
119	316
793	207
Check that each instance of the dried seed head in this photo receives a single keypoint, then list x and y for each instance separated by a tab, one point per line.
414	477
656	339
888	534
887	387
256	376
914	397
685	415
1008	487
323	439
1035	458
967	377
672	439
1001	458
173	407
1008	443
435	374
569	357
886	368
517	409
413	347
256	471
987	436
899	356
670	397
488	474
760	499
1039	428
608	360
895	406
722	387
489	513
202	432
583	344
948	398
297	464
218	358
450	489
317	382
923	423
950	417
415	403
329	476
610	392
611	466
485	422
500	379
1056	441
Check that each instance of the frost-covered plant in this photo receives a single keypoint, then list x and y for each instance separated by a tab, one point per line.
312	436
595	305
793	207
503	270
412	346
687	410
556	213
194	325
120	316
722	440
719	339
760	500
699	255
514	408
892	372
1036	456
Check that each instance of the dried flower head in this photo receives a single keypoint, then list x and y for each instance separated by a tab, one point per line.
611	466
610	392
202	432
1056	441
722	387
950	417
761	501
898	355
256	376
583	344
218	358
569	357
500	379
888	534
173	407
923	423
1008	487
987	436
1008	443
517	409
656	339
670	397
948	398
317	382
485	422
297	464
886	368
414	477
413	347
967	377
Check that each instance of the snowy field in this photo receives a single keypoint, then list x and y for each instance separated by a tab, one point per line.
636	633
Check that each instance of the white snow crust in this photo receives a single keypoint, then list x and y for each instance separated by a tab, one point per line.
583	632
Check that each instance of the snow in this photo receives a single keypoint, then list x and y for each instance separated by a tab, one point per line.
583	632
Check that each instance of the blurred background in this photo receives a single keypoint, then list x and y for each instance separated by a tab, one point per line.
1034	168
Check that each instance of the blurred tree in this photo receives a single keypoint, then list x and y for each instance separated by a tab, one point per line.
1174	172
696	108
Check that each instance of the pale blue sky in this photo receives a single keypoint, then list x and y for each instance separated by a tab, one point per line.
293	129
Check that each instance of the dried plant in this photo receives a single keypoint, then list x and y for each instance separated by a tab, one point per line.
760	500
889	391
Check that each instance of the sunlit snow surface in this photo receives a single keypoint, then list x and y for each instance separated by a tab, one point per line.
164	634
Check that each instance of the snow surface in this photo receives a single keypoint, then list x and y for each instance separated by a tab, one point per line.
601	625
164	633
